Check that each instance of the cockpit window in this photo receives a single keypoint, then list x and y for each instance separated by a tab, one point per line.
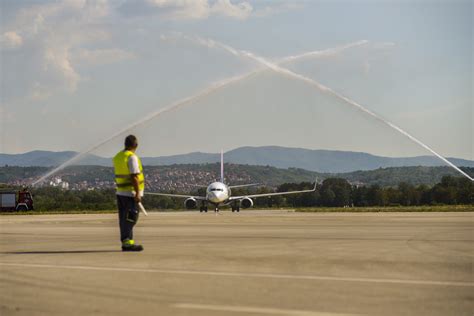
216	189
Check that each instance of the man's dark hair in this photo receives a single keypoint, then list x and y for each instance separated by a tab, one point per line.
131	141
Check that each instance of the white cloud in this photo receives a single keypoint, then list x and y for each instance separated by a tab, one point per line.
38	92
202	9
181	9
277	8
102	56
52	40
57	61
11	40
52	37
240	10
96	9
33	19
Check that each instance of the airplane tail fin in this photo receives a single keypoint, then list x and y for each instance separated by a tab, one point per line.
222	166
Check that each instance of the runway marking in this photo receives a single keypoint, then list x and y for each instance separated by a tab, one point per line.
255	310
245	275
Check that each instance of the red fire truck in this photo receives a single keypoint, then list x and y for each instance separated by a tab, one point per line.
11	200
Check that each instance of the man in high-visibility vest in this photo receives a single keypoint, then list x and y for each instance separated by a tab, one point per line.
130	183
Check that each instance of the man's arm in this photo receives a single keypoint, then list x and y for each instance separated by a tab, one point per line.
135	184
134	172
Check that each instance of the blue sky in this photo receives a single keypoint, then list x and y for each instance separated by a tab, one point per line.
74	72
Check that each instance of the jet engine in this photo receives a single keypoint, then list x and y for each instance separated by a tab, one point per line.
190	203
246	202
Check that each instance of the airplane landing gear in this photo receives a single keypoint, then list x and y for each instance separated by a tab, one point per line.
235	207
203	208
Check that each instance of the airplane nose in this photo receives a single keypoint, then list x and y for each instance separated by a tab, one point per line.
213	197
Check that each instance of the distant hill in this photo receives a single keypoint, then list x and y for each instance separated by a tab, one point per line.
185	177
328	161
389	177
40	158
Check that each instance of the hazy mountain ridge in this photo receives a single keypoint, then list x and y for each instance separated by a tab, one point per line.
185	177
329	161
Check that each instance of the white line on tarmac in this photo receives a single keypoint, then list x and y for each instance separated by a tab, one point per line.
244	275
255	310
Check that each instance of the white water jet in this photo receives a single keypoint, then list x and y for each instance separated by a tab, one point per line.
195	97
322	53
275	67
316	53
174	106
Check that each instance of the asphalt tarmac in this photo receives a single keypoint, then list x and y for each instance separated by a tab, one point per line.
252	263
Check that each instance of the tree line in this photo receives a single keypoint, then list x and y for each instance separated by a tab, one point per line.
338	192
332	192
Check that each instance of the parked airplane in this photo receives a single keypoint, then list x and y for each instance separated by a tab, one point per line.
218	193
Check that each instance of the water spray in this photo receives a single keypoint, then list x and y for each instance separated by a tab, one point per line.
275	67
174	106
322	53
329	52
191	99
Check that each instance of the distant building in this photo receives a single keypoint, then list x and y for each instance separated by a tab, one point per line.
59	183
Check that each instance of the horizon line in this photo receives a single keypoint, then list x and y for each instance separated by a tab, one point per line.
241	147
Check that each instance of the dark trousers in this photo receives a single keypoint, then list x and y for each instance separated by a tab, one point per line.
128	216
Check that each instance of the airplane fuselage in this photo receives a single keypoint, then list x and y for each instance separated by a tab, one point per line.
217	193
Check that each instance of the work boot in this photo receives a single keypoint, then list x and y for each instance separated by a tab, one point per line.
129	245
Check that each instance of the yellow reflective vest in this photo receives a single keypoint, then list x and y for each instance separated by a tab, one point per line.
123	179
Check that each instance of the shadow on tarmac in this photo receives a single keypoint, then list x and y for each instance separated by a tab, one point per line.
56	252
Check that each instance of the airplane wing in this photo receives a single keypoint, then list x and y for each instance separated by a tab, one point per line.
243	185
177	195
233	198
